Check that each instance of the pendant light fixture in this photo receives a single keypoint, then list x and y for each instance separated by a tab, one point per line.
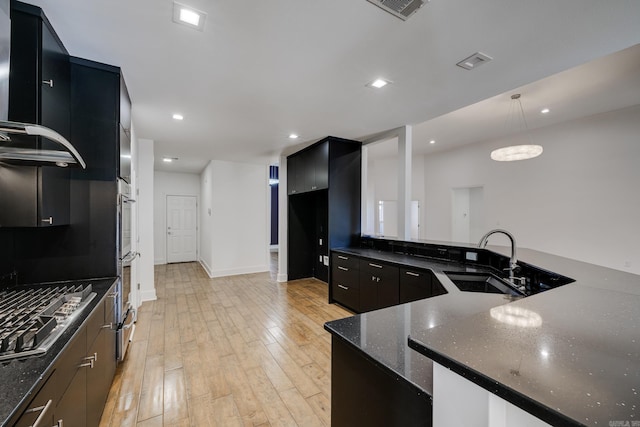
517	152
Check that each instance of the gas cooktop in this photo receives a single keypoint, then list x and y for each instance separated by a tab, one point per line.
33	317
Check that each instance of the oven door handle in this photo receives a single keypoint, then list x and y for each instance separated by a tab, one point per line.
133	319
130	256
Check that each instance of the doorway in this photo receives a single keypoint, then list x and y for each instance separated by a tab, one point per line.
467	210
181	228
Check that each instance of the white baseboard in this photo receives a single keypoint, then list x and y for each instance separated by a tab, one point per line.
274	248
159	261
234	271
148	295
206	267
283	277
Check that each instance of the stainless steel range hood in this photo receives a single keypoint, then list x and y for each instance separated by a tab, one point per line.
17	142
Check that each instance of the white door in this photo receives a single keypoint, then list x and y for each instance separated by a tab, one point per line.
181	228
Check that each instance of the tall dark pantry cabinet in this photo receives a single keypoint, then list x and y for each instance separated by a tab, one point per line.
323	187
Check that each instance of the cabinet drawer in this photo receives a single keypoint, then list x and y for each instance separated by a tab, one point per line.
345	262
348	278
346	294
42	405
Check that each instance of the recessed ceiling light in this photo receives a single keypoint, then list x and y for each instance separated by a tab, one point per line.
293	136
186	15
379	83
169	159
433	141
178	117
472	62
545	110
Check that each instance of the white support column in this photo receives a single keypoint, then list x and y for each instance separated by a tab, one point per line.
283	221
365	215
404	182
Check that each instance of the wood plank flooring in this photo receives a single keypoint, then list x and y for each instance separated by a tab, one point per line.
231	351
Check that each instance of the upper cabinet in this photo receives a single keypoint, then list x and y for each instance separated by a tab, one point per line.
308	170
101	118
39	82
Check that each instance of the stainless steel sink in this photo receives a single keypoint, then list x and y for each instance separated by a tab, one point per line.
482	282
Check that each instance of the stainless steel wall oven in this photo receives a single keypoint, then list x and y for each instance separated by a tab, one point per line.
126	312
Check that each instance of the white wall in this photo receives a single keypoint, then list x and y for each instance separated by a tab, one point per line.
169	184
579	199
234	218
145	207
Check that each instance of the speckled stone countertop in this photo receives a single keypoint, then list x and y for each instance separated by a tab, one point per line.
382	334
20	378
570	356
578	363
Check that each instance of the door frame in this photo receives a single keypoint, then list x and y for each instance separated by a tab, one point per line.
166	224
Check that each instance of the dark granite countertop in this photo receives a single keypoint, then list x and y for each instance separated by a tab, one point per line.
570	356
21	377
578	363
382	334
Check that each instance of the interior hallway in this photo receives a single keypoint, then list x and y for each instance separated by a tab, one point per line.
238	350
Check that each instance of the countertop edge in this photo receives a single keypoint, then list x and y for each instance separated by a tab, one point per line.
543	412
377	362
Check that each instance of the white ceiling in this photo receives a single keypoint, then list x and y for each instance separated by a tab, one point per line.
263	69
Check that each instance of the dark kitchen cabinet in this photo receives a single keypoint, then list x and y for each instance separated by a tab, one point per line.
323	182
308	170
39	82
378	285
345	280
416	284
77	389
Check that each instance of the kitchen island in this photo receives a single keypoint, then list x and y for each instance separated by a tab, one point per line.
577	364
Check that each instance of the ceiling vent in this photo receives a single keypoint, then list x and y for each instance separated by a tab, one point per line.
402	9
474	61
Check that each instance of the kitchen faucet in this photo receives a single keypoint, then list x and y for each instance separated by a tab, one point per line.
513	262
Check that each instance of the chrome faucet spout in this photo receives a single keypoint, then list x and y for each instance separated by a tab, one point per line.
513	263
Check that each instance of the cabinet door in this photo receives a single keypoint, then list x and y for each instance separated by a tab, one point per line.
415	284
378	285
99	377
318	166
292	174
72	407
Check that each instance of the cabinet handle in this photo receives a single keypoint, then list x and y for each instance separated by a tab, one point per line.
113	295
314	187
343	257
43	410
91	361
343	287
411	273
48	82
343	268
60	423
49	220
107	326
375	265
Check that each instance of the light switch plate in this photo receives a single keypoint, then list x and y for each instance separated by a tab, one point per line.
326	260
320	242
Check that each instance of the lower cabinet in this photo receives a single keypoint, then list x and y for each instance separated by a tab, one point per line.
76	391
365	284
345	281
378	285
416	284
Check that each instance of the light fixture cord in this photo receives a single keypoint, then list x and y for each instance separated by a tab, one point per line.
524	119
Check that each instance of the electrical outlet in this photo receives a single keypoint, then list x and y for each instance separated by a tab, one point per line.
320	242
325	260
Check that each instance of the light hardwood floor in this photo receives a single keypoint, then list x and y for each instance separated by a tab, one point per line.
232	351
